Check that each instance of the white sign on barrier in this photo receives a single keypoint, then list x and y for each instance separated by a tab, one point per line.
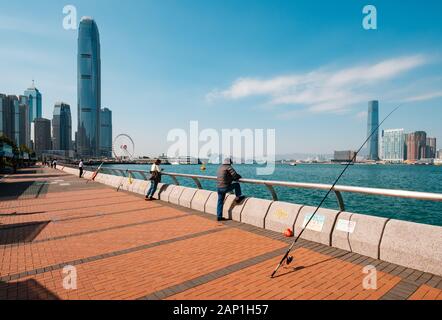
346	226
316	224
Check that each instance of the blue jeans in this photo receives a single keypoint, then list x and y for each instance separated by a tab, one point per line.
152	189
222	195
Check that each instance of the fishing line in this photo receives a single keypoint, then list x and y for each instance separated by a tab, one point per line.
289	259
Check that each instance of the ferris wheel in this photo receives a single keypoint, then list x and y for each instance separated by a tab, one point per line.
123	147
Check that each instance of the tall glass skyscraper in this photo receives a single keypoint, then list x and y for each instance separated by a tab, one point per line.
106	133
62	127
88	88
34	102
373	123
393	145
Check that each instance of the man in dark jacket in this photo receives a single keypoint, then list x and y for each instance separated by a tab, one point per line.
227	181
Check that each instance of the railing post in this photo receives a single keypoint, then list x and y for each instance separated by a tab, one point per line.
340	200
175	180
198	183
273	192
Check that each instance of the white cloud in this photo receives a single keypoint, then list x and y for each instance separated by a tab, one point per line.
424	97
322	90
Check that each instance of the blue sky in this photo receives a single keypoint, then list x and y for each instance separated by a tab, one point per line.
304	68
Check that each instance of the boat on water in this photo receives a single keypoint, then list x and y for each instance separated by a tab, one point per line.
293	164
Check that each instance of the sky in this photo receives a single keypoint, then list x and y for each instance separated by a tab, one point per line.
304	68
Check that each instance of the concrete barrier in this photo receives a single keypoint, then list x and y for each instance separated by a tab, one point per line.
187	197
88	174
142	187
163	191
200	199
282	216
359	233
232	210
211	204
255	211
320	228
175	195
413	245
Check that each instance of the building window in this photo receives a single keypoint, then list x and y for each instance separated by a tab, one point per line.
86	77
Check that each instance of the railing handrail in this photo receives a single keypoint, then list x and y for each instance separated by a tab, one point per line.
270	184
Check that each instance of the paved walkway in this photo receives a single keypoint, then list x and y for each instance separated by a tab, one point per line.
124	248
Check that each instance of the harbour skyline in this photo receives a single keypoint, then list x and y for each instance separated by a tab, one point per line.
213	96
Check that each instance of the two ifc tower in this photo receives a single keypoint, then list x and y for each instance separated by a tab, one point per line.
89	137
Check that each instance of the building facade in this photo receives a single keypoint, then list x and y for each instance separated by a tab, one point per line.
34	98
372	129
416	145
42	128
3	115
393	145
25	126
344	156
62	127
89	88
106	133
431	148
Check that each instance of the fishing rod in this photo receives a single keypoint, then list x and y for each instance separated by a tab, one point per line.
95	173
289	259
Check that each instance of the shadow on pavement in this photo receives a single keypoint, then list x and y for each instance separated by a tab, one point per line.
21	232
25	290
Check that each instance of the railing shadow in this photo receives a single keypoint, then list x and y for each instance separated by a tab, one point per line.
25	290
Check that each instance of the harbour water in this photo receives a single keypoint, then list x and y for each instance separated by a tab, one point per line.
402	177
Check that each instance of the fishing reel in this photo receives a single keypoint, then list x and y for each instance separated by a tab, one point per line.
289	260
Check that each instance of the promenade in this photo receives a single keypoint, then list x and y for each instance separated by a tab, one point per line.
125	248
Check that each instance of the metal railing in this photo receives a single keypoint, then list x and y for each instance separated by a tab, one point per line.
270	185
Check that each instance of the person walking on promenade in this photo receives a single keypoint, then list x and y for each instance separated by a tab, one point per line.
155	179
54	163
80	167
227	182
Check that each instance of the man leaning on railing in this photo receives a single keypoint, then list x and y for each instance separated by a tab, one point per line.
227	182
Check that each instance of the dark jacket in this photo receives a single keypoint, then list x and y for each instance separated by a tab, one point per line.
226	175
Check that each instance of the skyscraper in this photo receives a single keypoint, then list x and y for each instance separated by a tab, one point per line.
14	118
25	126
416	145
393	145
3	115
34	102
62	127
373	123
42	133
89	88
106	133
431	148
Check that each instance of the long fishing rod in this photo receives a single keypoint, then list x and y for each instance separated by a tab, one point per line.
288	258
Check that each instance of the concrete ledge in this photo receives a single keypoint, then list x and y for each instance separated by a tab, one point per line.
255	211
211	204
187	197
163	191
281	216
231	209
320	228
200	199
87	174
175	194
413	245
359	233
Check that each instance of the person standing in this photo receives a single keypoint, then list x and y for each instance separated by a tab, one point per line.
227	179
54	163
80	167
155	179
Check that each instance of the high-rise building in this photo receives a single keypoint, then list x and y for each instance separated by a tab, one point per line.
393	145
34	102
416	145
344	156
89	88
431	148
106	133
373	123
439	154
25	126
62	127
14	110
4	106
42	128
